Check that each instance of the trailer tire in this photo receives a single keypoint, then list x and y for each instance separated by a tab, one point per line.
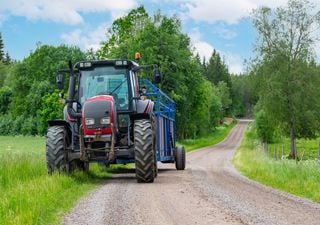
144	151
56	150
180	160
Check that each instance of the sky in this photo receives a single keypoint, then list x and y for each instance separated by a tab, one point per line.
223	25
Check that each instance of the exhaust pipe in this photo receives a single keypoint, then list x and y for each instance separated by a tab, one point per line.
72	87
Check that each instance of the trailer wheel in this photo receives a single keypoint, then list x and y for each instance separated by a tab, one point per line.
144	151
56	151
180	160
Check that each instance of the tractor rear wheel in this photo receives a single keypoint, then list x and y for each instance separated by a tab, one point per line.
180	158
144	151
56	153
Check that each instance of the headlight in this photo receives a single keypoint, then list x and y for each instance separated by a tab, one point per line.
89	121
105	120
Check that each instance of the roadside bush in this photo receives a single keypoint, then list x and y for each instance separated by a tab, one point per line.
51	108
264	127
29	126
6	124
5	99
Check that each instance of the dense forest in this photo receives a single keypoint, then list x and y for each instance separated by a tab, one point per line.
280	87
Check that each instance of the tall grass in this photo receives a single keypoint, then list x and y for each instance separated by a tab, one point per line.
28	194
299	178
213	138
306	149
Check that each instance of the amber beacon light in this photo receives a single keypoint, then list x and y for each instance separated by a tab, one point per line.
137	56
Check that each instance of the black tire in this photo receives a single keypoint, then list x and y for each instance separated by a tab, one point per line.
155	146
144	151
56	150
155	164
180	158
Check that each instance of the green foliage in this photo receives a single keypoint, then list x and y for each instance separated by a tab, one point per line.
286	76
7	59
264	127
160	41
6	124
51	108
216	70
224	93
243	95
301	179
28	100
5	99
4	70
1	49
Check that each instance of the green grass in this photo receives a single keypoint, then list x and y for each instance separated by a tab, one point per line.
28	194
306	149
301	179
215	137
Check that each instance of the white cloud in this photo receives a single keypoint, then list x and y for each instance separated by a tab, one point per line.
224	33
234	61
230	11
64	11
204	49
86	39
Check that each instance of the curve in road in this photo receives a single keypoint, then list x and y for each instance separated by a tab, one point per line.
209	191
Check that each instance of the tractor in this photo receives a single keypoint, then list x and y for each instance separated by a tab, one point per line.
113	117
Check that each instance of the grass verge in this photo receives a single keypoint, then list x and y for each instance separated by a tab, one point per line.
301	179
28	194
215	137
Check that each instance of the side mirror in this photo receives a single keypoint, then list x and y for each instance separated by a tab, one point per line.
60	81
157	76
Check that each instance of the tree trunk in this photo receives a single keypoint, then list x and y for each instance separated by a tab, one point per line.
293	147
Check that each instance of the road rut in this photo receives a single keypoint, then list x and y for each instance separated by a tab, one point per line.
209	191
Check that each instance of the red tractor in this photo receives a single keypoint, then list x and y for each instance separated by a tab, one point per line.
111	117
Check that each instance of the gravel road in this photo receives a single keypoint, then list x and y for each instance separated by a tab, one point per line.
209	191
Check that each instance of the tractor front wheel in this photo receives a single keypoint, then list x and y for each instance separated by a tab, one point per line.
56	153
144	151
180	158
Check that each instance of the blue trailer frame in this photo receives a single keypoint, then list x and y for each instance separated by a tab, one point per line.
164	111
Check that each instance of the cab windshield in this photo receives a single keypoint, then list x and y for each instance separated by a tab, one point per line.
105	81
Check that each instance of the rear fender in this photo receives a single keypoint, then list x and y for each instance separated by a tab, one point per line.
144	109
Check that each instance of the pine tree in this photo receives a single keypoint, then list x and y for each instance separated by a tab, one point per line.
217	70
7	59
1	48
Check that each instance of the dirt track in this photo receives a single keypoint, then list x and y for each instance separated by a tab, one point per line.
209	191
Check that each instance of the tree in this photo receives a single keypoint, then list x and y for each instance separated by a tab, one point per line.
160	41
123	29
224	94
34	78
217	70
5	99
1	48
7	59
284	69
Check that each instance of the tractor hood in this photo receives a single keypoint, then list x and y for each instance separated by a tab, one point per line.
99	115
